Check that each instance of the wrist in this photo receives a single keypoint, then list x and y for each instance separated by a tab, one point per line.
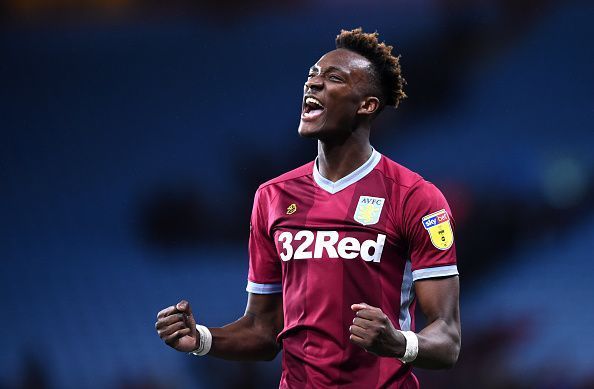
196	340
203	341
412	347
400	347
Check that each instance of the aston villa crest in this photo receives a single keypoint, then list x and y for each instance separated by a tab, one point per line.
368	210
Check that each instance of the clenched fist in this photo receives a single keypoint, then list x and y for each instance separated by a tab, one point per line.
177	327
373	331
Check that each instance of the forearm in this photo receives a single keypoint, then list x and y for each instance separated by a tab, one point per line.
246	339
439	345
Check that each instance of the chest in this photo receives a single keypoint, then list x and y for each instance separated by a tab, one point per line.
357	223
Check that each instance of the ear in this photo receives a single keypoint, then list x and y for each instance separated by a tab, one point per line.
369	106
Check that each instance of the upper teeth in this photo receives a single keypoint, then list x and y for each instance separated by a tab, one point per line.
311	100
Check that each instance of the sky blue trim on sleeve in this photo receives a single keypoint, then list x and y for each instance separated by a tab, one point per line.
407	295
432	272
256	288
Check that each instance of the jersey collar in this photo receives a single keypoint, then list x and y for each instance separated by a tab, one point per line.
359	173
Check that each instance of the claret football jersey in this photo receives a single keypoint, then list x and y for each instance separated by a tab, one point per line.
327	245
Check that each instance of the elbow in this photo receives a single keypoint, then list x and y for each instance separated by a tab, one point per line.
271	352
269	347
451	361
452	350
452	356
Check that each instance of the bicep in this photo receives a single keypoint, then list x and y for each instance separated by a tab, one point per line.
438	299
266	310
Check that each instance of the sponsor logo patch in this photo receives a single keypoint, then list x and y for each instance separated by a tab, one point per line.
439	228
368	210
327	244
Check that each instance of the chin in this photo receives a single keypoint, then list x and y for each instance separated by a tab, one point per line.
307	130
321	132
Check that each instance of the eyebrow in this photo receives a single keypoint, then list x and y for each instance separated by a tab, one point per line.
328	69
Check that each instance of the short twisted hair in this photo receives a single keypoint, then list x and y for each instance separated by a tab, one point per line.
386	72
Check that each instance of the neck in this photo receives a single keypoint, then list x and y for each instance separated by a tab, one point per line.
337	159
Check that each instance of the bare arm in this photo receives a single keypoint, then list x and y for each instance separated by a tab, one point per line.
439	341
251	337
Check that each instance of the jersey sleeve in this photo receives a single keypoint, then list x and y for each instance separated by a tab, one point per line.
429	228
264	276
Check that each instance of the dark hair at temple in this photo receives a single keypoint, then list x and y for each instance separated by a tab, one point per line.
386	66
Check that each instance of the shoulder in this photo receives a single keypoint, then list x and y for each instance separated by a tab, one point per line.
295	174
411	184
398	174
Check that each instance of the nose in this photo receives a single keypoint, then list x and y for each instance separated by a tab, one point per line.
314	83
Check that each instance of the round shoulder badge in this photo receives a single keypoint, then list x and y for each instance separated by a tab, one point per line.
439	228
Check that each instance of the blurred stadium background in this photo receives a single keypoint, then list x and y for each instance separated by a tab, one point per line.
134	134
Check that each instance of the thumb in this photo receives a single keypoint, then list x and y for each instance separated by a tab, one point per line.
184	307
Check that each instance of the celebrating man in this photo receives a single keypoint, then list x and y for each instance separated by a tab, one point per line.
342	248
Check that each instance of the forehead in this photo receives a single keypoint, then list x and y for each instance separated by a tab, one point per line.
344	60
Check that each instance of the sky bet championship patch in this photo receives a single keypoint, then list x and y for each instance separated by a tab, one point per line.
439	228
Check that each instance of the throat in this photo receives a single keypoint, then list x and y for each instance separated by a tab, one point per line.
337	164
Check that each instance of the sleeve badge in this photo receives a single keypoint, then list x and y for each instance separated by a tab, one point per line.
439	228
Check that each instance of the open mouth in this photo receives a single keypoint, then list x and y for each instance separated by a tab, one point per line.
312	108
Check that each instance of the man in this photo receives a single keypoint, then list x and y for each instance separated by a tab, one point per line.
342	248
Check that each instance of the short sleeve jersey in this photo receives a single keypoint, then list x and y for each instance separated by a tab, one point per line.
327	245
